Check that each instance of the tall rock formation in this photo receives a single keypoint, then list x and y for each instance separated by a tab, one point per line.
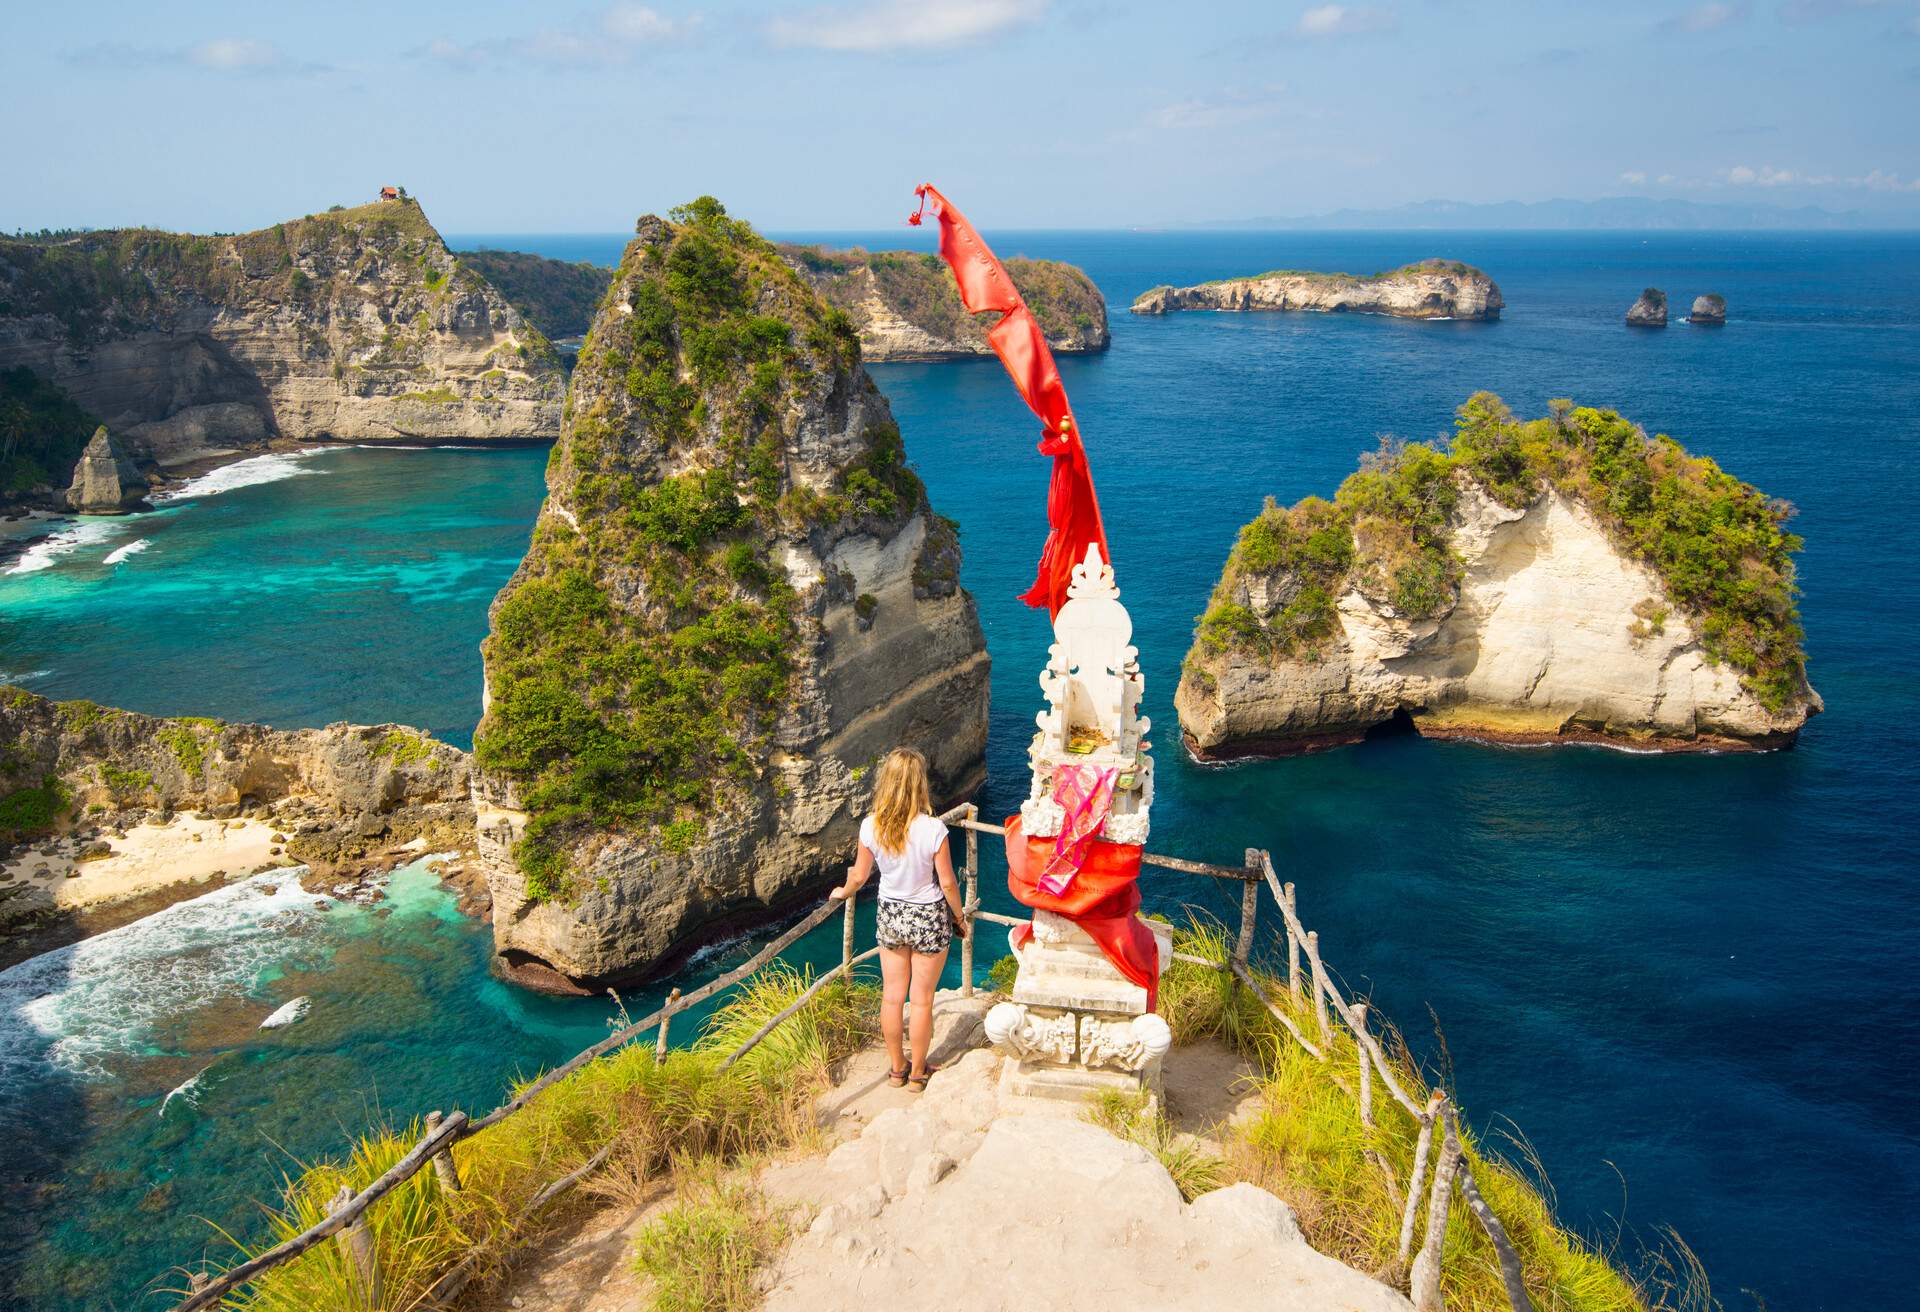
1650	311
1558	580
736	600
1427	289
105	482
355	324
1709	310
905	307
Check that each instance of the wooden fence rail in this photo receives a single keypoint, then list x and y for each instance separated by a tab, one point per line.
1436	1118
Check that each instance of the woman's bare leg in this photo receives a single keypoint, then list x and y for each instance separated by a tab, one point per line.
896	966
926	981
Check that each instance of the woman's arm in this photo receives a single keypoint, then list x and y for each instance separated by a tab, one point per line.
857	875
950	887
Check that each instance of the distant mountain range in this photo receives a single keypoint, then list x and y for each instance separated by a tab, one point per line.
1635	212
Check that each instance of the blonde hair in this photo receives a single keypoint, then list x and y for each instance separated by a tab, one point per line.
900	797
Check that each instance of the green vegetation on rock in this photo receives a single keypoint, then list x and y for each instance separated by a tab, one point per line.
919	288
1719	546
42	432
30	812
673	475
558	295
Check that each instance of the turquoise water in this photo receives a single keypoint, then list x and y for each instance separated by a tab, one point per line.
1694	975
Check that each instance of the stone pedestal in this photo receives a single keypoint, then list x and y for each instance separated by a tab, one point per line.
1075	1024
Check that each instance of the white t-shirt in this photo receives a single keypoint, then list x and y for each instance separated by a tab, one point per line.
908	876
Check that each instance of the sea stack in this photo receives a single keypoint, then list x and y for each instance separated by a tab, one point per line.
1650	311
105	481
736	600
1520	586
1709	311
1428	289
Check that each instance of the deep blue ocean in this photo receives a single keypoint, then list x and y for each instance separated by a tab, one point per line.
1691	983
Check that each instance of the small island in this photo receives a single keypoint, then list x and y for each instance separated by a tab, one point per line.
1426	289
904	306
1562	579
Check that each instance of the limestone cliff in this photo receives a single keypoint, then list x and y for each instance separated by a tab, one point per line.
105	482
735	600
1429	289
905	307
557	296
1709	310
355	324
1564	579
341	793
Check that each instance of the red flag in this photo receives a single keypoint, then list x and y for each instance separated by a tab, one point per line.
1073	512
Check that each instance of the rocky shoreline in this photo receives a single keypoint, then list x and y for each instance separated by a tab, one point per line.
106	810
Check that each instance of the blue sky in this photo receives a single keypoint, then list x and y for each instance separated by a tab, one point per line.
1035	113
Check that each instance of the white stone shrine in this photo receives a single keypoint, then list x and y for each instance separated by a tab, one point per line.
1075	1024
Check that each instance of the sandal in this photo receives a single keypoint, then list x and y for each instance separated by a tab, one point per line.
918	1083
897	1079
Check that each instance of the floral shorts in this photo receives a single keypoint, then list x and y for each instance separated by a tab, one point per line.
923	926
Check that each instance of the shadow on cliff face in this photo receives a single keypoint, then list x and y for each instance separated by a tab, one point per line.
43	1121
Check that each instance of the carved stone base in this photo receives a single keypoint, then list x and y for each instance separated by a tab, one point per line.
1075	1025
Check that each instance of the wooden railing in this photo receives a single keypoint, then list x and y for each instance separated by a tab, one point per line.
345	1221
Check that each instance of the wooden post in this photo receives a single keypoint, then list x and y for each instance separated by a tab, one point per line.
1249	907
1319	986
1512	1274
1424	1282
356	1241
1293	947
970	900
1366	1066
666	1014
846	940
1419	1178
443	1166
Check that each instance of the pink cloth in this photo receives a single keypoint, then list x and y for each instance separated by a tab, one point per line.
1085	794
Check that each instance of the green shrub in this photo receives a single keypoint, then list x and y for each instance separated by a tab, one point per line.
1002	974
42	431
31	812
702	1253
183	740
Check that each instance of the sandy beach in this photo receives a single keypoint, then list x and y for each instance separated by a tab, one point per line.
187	850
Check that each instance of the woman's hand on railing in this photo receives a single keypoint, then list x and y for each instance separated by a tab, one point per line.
838	893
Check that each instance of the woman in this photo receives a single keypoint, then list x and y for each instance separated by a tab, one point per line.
919	905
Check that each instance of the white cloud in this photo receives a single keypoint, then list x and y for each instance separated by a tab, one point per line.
1709	17
902	24
235	53
1219	111
1343	20
1880	180
1742	175
227	54
1634	178
605	37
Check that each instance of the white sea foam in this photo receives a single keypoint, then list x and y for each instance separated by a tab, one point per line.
288	1014
133	548
244	473
85	1007
83	533
187	1092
